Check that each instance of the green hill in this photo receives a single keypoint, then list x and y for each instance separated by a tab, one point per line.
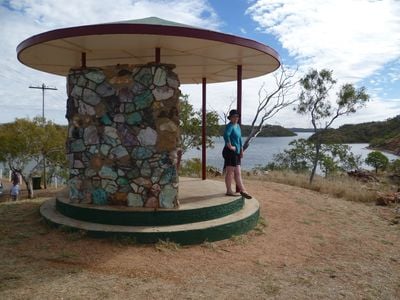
384	135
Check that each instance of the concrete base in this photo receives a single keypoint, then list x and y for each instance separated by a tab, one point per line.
205	214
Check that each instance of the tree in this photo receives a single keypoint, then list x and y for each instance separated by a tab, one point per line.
27	143
271	102
337	158
300	156
190	126
314	100
377	160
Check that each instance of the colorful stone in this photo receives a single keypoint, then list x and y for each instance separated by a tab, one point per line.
77	146
99	197
160	77
91	136
135	200
105	119
168	196
86	109
118	152
144	100
105	90
95	75
144	76
151	202
147	137
140	153
108	173
163	93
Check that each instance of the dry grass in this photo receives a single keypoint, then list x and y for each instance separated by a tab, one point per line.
167	245
341	187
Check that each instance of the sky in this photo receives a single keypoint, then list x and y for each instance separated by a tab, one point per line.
359	40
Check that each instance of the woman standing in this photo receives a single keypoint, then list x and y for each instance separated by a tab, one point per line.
232	154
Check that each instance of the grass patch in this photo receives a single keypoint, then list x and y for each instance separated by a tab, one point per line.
239	239
20	221
209	245
385	242
167	245
261	225
269	287
341	187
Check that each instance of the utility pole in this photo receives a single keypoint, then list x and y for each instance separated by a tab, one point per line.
43	87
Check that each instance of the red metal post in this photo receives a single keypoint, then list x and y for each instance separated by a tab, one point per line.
203	130
158	55
239	99
83	60
239	92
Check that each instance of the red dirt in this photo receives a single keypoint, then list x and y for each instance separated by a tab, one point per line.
313	246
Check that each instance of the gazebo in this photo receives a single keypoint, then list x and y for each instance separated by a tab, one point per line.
123	136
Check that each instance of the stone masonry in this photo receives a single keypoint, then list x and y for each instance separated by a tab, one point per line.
123	135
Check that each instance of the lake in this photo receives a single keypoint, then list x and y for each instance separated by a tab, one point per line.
262	150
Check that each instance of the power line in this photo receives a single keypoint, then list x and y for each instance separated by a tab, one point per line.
43	87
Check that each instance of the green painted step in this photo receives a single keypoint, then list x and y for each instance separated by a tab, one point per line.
193	233
187	213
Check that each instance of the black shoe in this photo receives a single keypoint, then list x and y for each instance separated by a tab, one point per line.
245	195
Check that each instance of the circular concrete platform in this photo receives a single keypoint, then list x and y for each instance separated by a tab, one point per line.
205	214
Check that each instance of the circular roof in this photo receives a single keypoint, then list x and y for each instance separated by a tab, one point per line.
197	53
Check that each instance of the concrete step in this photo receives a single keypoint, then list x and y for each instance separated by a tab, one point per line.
220	228
187	213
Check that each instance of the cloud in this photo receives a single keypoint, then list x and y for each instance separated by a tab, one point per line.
55	14
20	19
354	37
357	39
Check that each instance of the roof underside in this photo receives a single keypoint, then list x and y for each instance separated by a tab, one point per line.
197	53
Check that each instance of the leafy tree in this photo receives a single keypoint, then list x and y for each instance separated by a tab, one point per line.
190	126
26	144
314	100
337	158
300	156
377	160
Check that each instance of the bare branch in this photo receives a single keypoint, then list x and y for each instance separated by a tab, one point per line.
270	103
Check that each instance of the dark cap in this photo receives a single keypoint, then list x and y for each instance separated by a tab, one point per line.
232	113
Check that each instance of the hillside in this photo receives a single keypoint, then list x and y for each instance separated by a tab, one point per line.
391	144
384	135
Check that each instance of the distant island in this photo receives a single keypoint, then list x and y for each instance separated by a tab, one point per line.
268	131
296	129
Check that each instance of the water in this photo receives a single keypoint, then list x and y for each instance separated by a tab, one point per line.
262	150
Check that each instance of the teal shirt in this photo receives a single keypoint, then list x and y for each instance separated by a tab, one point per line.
233	135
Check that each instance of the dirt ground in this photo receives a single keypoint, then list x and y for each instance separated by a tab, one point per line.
307	246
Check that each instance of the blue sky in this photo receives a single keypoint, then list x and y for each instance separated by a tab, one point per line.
358	39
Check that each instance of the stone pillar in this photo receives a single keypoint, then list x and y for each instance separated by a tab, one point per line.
123	135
